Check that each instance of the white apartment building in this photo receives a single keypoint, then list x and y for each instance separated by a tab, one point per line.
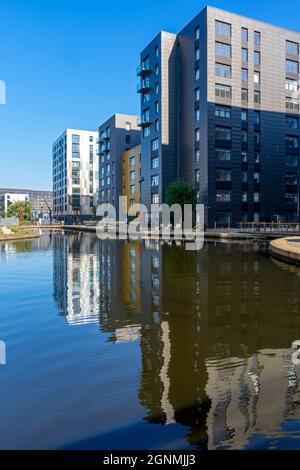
9	198
75	175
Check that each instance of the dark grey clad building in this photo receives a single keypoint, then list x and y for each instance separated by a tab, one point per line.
116	135
220	109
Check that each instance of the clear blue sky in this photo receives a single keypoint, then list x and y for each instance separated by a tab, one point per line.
71	63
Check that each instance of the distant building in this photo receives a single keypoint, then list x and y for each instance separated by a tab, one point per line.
6	199
41	201
117	135
75	175
131	161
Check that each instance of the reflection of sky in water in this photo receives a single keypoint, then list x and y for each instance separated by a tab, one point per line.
129	345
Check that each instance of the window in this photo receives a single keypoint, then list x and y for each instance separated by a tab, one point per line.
223	70
197	33
132	189
156	125
155	199
154	163
257	97
244	55
256	78
156	51
256	177
75	155
291	179
291	85
156	106
156	69
292	48
291	66
127	138
292	104
132	161
146	98
223	175
244	115
256	38
132	175
197	94
256	197
291	197
223	133
292	160
197	155
197	115
108	169
245	75
108	180
223	50
222	111
75	139
128	126
223	155
197	176
244	95
154	145
244	176
156	88
197	53
256	117
244	34
292	142
75	147
244	197
244	157
256	58
244	136
223	196
91	138
146	131
154	180
292	122
256	137
223	29
197	73
223	91
197	135
256	157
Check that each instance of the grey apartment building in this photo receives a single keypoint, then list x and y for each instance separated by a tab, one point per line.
41	201
220	109
116	135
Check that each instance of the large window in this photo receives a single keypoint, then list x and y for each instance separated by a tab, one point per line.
132	161
223	111
291	179
292	48
223	155
291	85
223	50
132	175
292	104
292	142
154	163
256	38
257	97
292	122
256	78
223	29
223	174
75	139
244	75
292	66
223	70
256	117
244	34
244	95
223	196
154	181
244	55
154	145
256	58
223	133
223	91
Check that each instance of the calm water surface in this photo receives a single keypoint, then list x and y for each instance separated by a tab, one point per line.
127	345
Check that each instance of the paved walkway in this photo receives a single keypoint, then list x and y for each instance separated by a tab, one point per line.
286	249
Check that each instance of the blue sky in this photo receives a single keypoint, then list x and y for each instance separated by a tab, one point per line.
71	63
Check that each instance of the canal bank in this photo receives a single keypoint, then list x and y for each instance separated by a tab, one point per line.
286	249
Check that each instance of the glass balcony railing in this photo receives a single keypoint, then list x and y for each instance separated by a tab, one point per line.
143	86
142	70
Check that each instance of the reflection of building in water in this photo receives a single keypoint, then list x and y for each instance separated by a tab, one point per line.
76	277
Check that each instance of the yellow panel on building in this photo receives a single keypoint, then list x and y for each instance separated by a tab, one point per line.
131	175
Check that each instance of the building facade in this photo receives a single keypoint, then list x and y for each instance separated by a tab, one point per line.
131	162
220	109
117	135
75	175
41	201
6	199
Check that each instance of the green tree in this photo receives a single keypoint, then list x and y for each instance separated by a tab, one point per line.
180	192
20	209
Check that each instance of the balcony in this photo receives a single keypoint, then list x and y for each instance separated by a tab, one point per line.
143	86
143	70
143	121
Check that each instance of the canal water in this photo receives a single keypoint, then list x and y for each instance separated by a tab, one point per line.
132	345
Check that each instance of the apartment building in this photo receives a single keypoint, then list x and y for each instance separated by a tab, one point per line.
220	109
75	175
7	198
41	201
131	162
117	135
